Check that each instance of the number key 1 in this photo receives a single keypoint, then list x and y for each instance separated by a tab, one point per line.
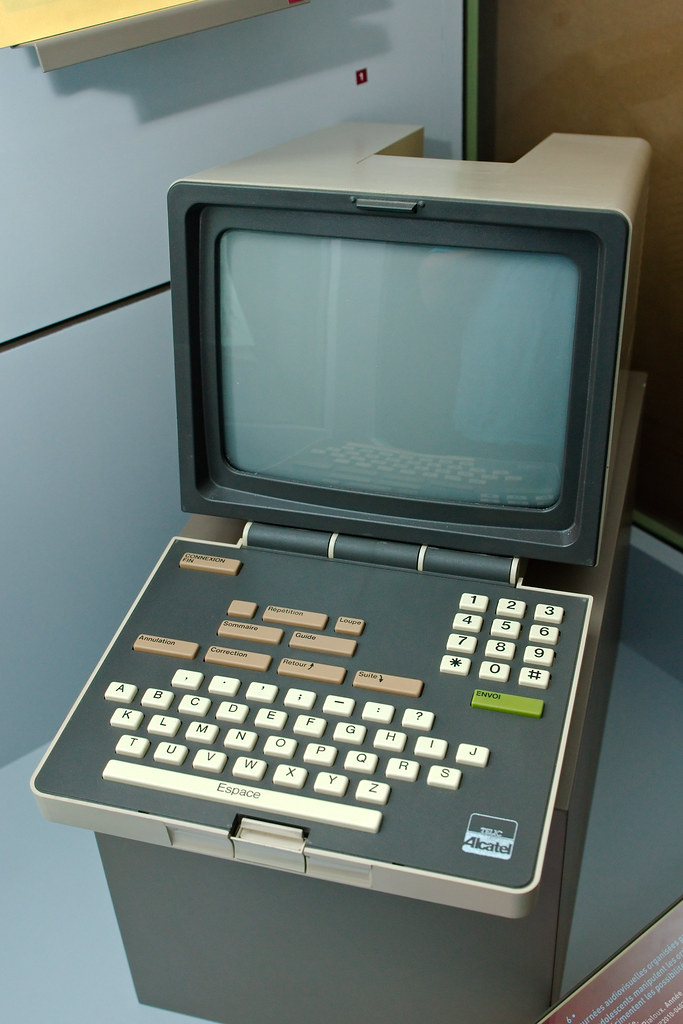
474	602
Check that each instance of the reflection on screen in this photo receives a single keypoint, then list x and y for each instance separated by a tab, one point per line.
393	368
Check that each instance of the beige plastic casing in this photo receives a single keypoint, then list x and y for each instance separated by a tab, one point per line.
583	172
572	172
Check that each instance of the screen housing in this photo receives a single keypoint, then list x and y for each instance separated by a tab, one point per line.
597	241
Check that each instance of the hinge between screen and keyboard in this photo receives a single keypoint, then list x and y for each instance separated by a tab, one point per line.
396	554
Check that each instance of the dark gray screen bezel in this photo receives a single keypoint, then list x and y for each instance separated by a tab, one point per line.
597	241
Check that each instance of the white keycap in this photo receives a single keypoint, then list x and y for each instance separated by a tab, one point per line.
122	693
511	609
444	778
132	746
454	665
190	704
475	757
160	725
501	650
341	706
416	718
249	798
407	771
361	761
186	680
328	784
249	768
280	746
265	693
159	699
387	739
549	613
306	725
240	739
494	671
467	622
474	602
543	656
302	699
538	677
224	686
460	643
289	776
126	718
209	761
382	714
170	753
428	746
201	732
270	718
320	754
373	792
349	732
506	629
544	635
228	711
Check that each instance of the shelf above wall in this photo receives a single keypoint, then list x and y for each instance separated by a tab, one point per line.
60	51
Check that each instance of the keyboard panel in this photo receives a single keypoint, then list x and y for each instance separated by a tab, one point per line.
403	717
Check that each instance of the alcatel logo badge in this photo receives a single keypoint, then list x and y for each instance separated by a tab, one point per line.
490	837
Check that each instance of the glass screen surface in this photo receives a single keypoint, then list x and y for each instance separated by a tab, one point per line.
395	368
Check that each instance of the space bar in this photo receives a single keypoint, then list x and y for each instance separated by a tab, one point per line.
239	794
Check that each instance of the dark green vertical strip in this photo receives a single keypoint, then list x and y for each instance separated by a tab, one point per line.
471	78
660	530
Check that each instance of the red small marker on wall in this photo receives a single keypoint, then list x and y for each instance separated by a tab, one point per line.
361	76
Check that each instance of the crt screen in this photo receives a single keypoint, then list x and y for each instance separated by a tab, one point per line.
395	368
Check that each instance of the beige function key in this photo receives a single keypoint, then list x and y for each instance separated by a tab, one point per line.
348	626
167	646
316	672
210	563
323	644
402	686
246	659
242	609
294	617
250	631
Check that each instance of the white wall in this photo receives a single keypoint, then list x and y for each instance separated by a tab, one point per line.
89	498
88	152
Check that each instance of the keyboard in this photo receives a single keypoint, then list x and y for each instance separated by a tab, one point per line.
396	718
